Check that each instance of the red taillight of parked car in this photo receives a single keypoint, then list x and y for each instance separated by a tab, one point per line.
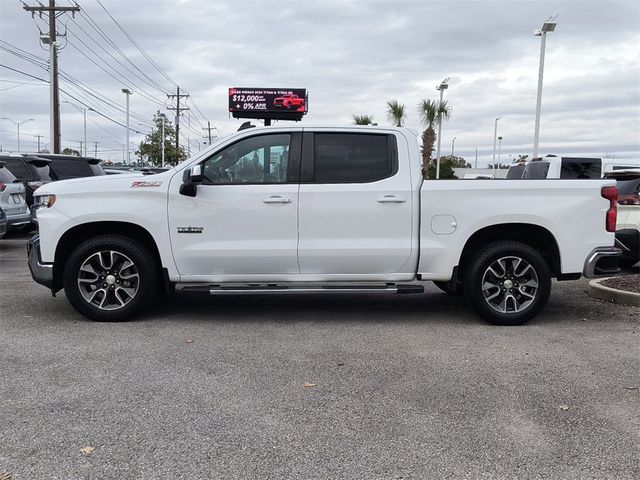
611	194
2	187
629	200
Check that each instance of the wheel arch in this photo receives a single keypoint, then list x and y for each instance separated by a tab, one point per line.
532	235
79	233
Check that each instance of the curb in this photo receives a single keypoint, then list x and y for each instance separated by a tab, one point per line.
622	297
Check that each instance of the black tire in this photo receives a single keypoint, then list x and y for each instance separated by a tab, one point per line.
450	287
133	286
525	285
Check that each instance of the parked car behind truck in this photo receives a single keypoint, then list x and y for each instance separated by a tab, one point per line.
628	223
318	210
13	200
554	166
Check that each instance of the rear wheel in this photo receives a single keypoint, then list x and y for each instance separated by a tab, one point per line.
110	278
508	283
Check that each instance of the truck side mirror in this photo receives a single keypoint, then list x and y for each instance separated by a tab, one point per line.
190	180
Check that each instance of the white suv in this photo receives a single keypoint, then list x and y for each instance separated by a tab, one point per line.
13	200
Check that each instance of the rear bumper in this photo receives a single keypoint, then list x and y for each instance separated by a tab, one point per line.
602	261
41	272
18	220
628	241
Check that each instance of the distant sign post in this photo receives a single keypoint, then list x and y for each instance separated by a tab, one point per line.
268	103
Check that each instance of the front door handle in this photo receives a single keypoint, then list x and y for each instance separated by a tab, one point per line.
391	199
276	199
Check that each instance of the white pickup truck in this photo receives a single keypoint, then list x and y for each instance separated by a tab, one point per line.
327	210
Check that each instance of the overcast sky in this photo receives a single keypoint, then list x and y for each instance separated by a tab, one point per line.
352	56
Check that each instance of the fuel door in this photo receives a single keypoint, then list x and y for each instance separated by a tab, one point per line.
443	224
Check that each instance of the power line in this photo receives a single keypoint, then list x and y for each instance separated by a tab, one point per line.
71	96
154	64
92	24
141	91
73	82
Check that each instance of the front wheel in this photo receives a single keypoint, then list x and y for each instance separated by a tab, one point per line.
110	277
508	283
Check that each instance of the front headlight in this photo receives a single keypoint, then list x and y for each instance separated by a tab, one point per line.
45	201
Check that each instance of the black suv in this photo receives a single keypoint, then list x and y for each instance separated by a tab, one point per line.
32	171
64	167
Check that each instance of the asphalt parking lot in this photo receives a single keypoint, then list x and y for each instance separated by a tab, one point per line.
315	387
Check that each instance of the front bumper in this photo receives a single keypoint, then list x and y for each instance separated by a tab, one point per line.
601	262
41	272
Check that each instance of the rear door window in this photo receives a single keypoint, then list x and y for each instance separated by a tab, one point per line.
96	169
6	176
581	168
19	169
44	173
536	170
353	157
70	168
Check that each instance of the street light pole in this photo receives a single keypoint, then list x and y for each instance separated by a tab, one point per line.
499	151
495	137
442	87
453	142
547	26
127	92
17	124
476	166
162	147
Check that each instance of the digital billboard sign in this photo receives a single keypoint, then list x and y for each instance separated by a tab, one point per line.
275	103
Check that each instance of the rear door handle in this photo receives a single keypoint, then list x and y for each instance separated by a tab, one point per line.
391	199
276	199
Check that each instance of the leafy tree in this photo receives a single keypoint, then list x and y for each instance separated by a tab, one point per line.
362	119
70	151
521	159
151	146
446	170
456	162
429	110
396	112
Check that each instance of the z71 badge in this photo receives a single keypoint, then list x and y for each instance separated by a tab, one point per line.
190	229
142	183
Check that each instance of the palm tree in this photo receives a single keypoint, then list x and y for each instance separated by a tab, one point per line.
396	112
362	119
430	111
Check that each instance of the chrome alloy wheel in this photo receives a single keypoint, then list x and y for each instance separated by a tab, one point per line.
510	285
108	280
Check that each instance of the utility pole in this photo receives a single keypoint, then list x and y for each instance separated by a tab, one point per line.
178	109
38	137
53	12
208	129
95	151
189	134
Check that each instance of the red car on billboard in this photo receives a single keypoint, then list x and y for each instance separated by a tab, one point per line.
290	102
